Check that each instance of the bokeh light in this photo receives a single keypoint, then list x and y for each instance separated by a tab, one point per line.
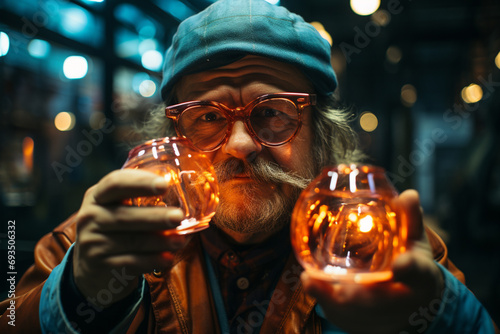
368	121
137	80
393	54
28	148
64	121
152	60
321	29
4	44
472	93
381	17
147	88
147	30
38	48
75	67
365	7
74	19
497	60
408	95
147	45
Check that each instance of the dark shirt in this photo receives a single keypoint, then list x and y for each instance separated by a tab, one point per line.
247	275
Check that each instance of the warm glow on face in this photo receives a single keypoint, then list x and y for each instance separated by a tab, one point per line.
366	224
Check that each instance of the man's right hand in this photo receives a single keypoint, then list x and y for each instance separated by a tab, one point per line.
114	239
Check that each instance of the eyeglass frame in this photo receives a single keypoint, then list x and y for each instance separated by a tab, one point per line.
299	100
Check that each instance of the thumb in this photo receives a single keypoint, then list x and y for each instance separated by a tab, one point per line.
317	288
410	212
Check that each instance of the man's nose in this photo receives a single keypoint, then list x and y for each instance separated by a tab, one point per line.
241	144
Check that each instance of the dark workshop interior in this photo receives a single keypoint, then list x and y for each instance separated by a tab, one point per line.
422	79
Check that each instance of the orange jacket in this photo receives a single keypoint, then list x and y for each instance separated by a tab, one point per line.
181	300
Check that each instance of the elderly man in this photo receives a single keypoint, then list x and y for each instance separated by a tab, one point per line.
118	273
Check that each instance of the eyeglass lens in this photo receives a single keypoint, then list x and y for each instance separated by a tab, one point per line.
272	121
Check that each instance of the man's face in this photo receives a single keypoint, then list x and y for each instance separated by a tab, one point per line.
252	208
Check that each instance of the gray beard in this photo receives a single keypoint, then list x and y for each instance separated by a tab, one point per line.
255	214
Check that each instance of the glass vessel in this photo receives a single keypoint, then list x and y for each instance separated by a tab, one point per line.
191	175
345	226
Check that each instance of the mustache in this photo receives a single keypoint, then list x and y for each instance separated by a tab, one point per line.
259	170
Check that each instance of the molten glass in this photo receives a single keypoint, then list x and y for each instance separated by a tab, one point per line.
345	227
193	186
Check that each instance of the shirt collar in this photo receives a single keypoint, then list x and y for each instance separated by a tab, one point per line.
220	248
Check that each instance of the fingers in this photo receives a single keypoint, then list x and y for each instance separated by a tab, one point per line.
126	183
107	245
408	205
124	218
416	267
102	208
412	267
344	293
418	271
138	264
113	236
320	290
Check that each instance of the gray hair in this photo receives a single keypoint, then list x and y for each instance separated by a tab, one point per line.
335	141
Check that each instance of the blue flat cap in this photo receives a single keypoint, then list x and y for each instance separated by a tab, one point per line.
228	30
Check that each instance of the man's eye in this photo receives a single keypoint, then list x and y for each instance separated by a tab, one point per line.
268	112
210	117
271	112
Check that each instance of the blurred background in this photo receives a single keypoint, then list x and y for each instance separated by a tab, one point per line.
422	78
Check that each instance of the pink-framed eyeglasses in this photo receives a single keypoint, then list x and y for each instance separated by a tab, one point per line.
273	119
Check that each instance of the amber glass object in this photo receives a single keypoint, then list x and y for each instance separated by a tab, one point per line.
193	185
345	227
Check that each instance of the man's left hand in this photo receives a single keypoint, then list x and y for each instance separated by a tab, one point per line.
386	307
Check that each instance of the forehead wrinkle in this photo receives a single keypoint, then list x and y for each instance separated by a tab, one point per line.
232	71
235	86
241	74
